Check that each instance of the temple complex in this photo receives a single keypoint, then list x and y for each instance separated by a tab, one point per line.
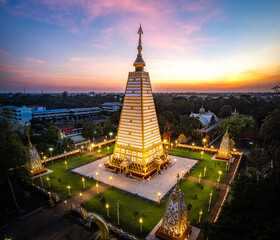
138	149
174	224
35	164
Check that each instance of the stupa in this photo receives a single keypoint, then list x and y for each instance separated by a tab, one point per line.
35	164
138	149
174	224
224	150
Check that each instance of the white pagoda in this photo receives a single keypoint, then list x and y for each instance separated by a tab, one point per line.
138	149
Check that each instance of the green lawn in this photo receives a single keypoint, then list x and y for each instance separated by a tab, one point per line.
60	178
104	150
132	208
212	166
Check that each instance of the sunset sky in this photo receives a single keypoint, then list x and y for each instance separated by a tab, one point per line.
188	45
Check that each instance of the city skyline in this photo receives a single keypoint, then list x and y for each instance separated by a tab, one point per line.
82	46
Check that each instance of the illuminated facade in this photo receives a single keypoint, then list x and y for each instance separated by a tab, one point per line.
224	150
174	223
35	163
138	149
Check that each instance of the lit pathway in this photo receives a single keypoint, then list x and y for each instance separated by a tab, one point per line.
211	183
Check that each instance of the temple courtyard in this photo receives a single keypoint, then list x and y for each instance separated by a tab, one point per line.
144	188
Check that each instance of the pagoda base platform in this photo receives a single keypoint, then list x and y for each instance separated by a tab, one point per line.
161	235
137	171
148	188
46	171
231	159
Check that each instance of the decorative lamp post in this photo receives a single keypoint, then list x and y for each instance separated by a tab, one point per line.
212	148
199	178
42	184
192	146
108	148
183	173
189	168
81	196
210	199
31	171
226	166
51	149
110	133
69	190
97	173
118	212
219	179
82	148
65	162
111	181
97	188
159	194
108	213
45	159
84	184
201	154
66	208
204	142
204	172
140	221
176	142
49	183
220	173
171	145
199	218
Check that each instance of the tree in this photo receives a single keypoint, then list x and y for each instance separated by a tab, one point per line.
270	136
225	111
252	211
188	124
13	159
237	125
88	131
52	135
107	127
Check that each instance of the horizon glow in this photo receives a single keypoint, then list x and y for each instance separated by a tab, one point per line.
188	45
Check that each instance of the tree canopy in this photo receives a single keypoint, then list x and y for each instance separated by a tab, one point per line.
237	125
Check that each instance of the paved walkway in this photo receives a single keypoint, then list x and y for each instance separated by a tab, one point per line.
211	183
145	188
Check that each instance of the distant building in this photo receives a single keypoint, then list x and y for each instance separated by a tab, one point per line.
21	115
66	114
111	107
25	113
37	107
208	121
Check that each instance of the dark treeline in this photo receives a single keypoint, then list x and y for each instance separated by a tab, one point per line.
258	108
58	101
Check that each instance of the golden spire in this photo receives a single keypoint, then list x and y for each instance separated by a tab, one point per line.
139	62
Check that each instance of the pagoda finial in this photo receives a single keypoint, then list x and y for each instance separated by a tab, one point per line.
140	32
139	62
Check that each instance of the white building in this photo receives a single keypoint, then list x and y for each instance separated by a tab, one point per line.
111	107
208	121
21	115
